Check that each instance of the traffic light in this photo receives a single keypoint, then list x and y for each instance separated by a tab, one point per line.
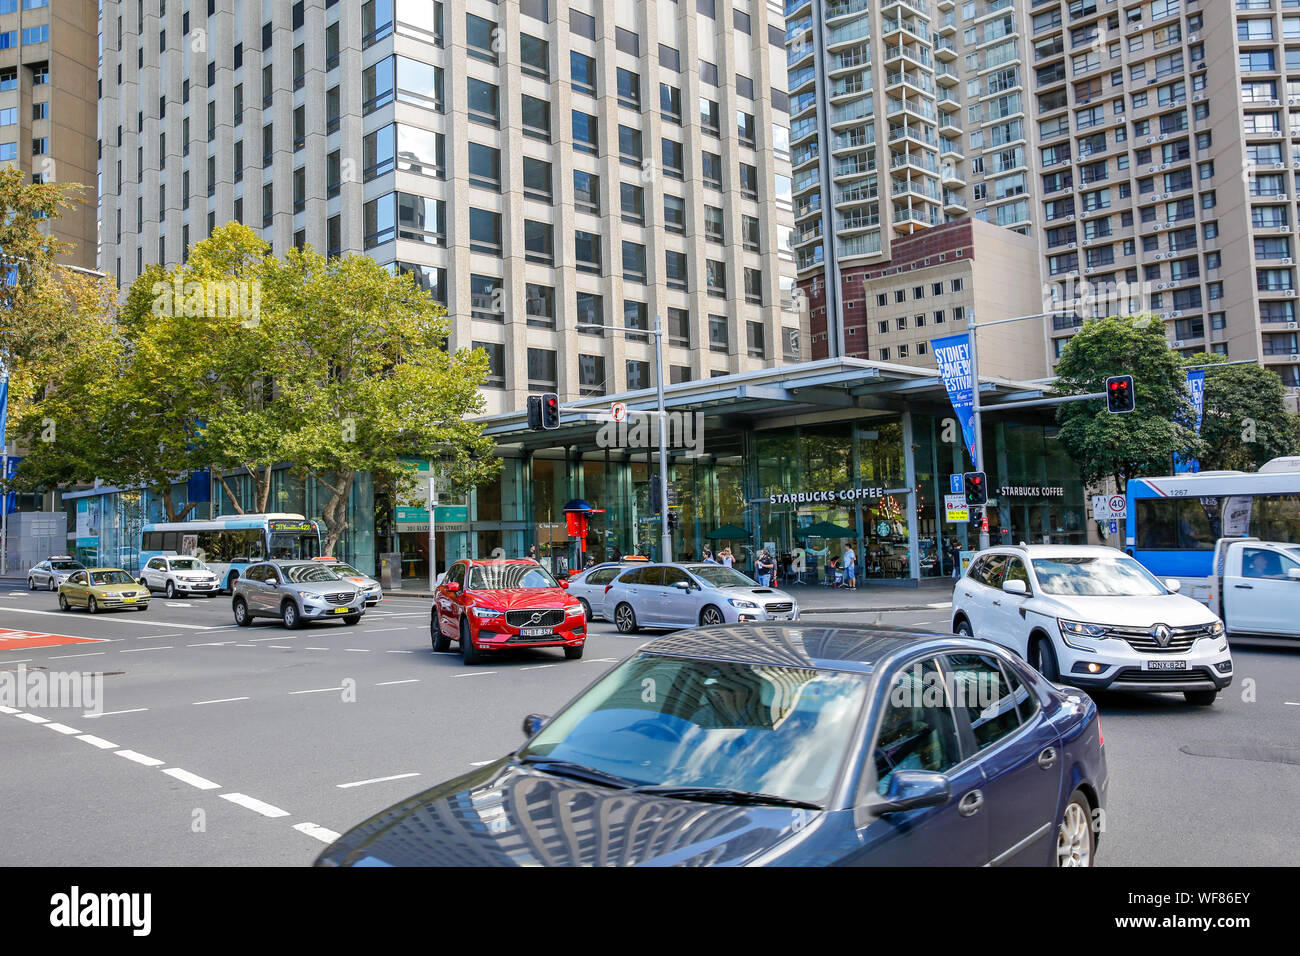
672	520
1119	394
655	493
534	412
975	523
550	410
976	487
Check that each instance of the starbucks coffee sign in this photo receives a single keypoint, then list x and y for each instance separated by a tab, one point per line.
826	497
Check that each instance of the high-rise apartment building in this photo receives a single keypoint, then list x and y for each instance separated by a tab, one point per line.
1148	148
47	106
550	172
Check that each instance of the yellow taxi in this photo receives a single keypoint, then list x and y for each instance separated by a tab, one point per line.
102	589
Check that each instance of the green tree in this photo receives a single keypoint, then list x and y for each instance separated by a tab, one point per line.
1142	442
369	381
1245	420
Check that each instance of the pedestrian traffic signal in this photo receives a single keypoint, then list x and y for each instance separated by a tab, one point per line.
975	523
1119	394
672	520
534	411
550	410
976	487
655	494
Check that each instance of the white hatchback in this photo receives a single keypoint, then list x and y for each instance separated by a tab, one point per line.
1095	618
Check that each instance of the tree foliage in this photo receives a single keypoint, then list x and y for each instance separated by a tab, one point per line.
1142	442
1245	421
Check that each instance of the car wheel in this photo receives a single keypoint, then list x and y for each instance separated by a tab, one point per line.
625	619
1074	836
170	590
91	606
963	629
31	585
230	582
1043	659
710	615
440	641
50	585
586	608
574	653
1201	698
289	615
63	603
242	617
469	654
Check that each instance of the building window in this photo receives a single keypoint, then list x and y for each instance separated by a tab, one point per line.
486	298
586	137
541	370
679	328
675	269
537	179
539	305
485	231
754	339
716	276
539	242
496	355
591	374
590	310
586	192
586	250
483	105
634	268
718	338
535	117
485	167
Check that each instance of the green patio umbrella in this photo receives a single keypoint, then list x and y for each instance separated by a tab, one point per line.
728	532
825	529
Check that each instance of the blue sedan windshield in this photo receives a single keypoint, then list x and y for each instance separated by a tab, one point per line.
784	731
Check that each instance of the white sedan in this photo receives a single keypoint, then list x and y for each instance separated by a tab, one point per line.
1095	618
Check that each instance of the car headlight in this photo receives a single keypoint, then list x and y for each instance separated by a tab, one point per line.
739	602
573	611
1079	629
1215	629
487	612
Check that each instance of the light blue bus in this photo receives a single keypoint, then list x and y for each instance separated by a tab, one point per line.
1173	523
229	544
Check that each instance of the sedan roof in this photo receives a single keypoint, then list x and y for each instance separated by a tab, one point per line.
824	646
1059	550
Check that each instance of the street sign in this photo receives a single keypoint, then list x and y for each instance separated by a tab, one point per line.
1114	526
954	482
955	508
1106	507
619	411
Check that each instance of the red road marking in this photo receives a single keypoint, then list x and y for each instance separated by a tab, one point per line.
11	640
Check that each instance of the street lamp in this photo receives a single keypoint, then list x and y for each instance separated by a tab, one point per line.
665	534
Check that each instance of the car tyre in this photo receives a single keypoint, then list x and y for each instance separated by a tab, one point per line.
625	619
91	605
711	615
63	603
31	584
1201	698
289	615
1043	659
468	652
586	608
350	619
1075	841
963	629
51	586
574	653
170	590
242	617
441	642
230	582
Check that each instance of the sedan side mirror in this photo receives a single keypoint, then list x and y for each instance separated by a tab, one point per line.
1174	585
273	582
1016	587
564	583
533	724
684	585
452	586
912	790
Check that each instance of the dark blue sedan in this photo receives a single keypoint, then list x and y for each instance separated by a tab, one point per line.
777	745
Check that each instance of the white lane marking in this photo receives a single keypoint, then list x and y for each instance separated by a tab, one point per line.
1292	703
410	614
209	644
257	806
156	637
537	667
64	657
315	648
390	683
319	832
193	779
381	630
481	763
111	713
245	645
399	652
21	660
32	718
362	783
141	758
141	650
282	637
601	660
280	647
358	650
177	603
223	700
129	621
475	674
62	728
318	690
99	742
8	710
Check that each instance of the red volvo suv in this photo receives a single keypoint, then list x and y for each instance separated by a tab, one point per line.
497	605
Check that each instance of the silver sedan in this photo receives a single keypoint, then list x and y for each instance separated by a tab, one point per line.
686	595
52	572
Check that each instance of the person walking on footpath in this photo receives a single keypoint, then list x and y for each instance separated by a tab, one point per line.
850	568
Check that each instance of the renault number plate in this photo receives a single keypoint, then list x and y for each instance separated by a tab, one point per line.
1166	665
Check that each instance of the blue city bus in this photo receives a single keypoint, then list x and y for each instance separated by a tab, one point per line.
229	544
1173	523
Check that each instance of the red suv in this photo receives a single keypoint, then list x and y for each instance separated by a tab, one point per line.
497	605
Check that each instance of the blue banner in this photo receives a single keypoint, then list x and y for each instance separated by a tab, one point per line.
1196	394
4	406
952	355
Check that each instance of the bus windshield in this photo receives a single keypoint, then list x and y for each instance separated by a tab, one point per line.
286	546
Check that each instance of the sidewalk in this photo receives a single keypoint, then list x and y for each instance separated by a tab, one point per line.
932	593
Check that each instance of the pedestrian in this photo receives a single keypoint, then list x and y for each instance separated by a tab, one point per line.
765	567
531	553
850	568
954	555
707	557
727	559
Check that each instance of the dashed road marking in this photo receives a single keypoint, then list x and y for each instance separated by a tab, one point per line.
141	650
193	779
281	637
99	742
141	758
280	647
537	667
476	674
317	690
358	650
362	783
32	718
390	683
64	657
315	648
252	803
114	713
482	763
8	710
321	833
223	700
130	621
62	728
382	630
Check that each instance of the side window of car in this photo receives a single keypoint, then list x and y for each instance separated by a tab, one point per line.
457	574
256	573
603	576
673	576
1260	563
995	568
79	578
631	577
1026	700
1016	572
976	570
981	691
916	726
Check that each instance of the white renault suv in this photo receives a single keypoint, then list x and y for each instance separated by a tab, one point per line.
1095	618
